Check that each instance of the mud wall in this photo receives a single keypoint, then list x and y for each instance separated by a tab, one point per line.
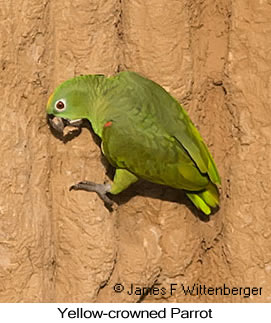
56	245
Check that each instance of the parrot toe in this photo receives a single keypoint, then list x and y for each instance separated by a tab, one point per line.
100	189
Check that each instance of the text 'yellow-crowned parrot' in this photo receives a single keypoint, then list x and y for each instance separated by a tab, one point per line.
145	134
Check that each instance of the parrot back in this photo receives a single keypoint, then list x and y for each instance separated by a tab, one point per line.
152	136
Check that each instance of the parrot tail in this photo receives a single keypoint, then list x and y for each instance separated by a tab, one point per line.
205	200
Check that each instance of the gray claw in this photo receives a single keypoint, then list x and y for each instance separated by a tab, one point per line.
100	189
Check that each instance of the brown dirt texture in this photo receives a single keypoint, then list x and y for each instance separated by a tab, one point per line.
214	56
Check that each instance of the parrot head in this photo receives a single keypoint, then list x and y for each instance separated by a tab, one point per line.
67	106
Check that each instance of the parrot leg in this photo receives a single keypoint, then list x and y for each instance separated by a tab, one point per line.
100	189
122	179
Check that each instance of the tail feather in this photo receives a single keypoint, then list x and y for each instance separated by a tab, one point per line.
205	200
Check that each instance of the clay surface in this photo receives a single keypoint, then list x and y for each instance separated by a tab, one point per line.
214	56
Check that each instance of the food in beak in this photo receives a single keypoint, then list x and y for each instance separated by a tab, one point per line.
65	126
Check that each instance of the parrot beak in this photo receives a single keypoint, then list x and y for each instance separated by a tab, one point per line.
59	123
56	123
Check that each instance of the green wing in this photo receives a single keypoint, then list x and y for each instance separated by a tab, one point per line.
154	157
190	138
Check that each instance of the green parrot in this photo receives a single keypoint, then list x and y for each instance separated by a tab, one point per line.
145	134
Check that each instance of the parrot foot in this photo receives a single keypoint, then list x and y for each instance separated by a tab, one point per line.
100	189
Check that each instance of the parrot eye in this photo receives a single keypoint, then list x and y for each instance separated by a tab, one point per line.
60	105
